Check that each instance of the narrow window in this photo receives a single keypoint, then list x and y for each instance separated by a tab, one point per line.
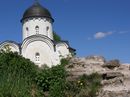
37	58
37	29
27	30
47	30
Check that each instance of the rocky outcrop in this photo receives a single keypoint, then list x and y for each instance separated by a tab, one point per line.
115	76
122	93
112	64
88	65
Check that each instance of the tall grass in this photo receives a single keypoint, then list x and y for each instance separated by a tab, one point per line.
16	76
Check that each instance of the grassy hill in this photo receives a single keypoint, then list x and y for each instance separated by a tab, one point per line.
19	77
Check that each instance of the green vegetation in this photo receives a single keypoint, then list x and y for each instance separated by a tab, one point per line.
57	38
21	78
53	79
16	76
84	86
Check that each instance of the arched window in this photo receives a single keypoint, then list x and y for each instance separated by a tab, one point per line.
37	29
47	30
27	31
37	57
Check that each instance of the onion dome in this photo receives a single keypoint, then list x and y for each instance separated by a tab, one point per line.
37	10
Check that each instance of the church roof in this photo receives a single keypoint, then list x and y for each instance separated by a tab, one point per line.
37	10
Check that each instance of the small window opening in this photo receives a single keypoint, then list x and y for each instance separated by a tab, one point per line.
27	31
47	29
37	29
37	57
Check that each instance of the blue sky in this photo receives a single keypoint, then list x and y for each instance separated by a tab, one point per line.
93	27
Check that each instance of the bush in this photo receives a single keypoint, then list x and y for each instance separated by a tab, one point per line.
17	76
64	62
57	88
84	86
52	80
91	83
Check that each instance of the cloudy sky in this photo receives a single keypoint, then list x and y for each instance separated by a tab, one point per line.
93	27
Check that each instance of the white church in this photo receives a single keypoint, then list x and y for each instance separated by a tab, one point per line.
38	43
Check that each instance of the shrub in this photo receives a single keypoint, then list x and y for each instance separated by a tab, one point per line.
52	80
72	88
84	86
92	83
57	88
16	76
64	62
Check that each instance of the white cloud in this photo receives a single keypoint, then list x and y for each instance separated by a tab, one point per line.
100	35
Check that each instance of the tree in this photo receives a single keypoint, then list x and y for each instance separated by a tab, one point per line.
57	38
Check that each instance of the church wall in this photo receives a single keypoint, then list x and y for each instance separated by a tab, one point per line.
11	46
46	53
62	50
33	26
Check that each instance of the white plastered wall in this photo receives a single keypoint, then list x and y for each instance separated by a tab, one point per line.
12	46
30	24
62	50
46	51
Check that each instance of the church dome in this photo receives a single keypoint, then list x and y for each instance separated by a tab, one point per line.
37	10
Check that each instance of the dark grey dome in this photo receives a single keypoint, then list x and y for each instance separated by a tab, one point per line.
37	10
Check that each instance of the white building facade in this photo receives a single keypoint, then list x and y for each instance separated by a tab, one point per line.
38	43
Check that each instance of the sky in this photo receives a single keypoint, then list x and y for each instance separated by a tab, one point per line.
92	27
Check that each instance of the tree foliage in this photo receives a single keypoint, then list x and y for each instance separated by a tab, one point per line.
57	38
